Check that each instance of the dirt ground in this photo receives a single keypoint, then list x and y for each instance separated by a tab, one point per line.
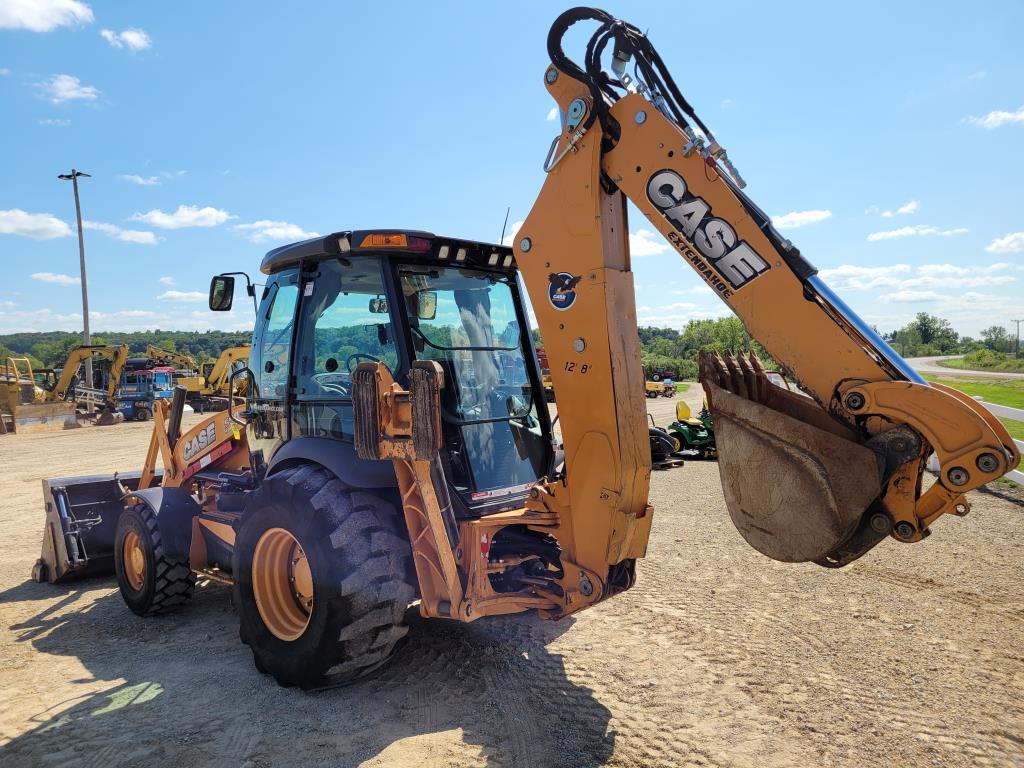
911	656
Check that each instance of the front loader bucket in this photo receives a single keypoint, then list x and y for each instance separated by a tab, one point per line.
796	483
81	517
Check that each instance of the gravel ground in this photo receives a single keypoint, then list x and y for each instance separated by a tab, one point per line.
718	657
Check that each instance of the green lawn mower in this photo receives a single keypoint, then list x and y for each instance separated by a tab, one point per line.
694	434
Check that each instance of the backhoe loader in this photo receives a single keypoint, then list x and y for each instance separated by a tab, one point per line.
394	444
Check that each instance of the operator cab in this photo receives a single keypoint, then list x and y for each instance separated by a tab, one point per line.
394	297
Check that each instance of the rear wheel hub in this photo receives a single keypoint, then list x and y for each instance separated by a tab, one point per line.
282	584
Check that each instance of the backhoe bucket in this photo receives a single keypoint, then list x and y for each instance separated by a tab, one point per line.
81	517
796	482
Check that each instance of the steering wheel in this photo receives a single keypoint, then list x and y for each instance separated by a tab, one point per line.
356	356
328	382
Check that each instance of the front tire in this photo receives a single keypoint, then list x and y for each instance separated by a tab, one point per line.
150	581
142	414
323	577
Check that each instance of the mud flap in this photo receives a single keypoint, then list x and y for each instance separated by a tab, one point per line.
796	487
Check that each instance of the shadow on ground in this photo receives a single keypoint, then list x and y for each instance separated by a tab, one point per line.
184	692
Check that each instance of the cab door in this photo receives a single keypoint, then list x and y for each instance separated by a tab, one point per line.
271	364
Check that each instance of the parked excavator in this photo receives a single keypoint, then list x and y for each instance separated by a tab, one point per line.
207	384
394	444
49	403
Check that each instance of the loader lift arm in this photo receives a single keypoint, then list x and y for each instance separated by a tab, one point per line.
820	480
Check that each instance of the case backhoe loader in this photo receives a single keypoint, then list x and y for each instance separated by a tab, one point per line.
396	444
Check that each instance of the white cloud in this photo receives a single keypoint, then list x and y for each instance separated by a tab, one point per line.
39	226
172	174
510	238
184	216
167	281
266	230
4	71
50	277
677	314
168	317
132	39
55	122
552	115
702	289
182	296
643	242
43	15
142	181
795	219
903	210
918	230
852	277
912	297
127	235
858	278
1011	243
61	88
998	118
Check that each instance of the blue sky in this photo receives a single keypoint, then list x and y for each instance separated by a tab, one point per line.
886	137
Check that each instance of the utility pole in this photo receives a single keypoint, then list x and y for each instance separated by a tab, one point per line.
1017	346
86	338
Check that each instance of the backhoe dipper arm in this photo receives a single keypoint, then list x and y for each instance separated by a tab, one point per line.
117	355
804	480
185	362
218	379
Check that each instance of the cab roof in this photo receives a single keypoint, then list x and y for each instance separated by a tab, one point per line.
425	245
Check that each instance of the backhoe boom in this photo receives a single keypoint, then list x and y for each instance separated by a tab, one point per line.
820	481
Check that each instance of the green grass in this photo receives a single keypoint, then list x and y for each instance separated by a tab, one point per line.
1002	391
1009	392
1015	428
1010	365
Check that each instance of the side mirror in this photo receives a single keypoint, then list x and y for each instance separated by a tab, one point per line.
426	305
222	293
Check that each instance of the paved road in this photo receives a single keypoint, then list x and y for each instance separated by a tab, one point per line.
931	365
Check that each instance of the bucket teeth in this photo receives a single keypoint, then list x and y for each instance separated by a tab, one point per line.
796	482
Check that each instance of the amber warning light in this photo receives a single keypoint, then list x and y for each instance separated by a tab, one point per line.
395	240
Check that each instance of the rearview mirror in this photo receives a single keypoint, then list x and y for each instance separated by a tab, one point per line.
426	302
379	306
222	293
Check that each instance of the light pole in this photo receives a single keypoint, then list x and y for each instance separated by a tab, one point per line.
86	338
1017	346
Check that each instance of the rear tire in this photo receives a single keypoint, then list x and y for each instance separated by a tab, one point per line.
142	414
356	550
150	581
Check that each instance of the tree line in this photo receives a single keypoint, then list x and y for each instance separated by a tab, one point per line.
50	349
668	350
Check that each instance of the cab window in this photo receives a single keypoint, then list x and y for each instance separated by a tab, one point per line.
345	321
275	341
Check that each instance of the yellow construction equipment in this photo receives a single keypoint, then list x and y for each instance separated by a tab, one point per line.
396	445
24	405
183	364
207	384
